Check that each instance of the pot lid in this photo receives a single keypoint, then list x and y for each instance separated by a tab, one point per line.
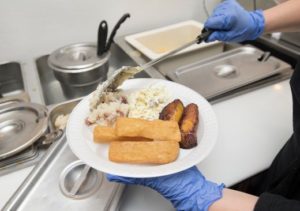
21	124
77	56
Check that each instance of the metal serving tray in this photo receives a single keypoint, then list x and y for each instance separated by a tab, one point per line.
227	71
190	58
49	185
160	69
61	109
42	191
27	157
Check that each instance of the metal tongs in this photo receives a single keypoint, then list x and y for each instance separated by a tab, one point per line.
202	37
126	72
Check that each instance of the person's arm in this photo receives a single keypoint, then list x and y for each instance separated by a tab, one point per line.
234	201
284	17
189	190
232	23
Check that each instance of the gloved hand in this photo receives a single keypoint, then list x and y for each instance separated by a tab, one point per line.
187	190
232	23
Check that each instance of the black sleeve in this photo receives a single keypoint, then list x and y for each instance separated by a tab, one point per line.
272	202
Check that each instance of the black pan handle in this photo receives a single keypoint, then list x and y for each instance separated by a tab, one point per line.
102	36
205	33
115	29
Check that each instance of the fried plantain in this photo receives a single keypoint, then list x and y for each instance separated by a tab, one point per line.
172	111
188	126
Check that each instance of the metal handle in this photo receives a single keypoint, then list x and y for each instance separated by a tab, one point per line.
50	138
202	37
264	57
80	180
114	31
159	59
126	72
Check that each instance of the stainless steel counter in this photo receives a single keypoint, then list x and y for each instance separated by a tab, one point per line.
59	171
173	63
229	112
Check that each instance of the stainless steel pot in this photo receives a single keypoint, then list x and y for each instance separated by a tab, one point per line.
79	65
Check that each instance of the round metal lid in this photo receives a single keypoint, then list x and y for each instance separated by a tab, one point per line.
79	181
76	57
21	124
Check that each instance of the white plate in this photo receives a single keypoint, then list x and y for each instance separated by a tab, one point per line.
80	138
156	42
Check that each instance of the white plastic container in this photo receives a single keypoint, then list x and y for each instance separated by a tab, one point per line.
157	42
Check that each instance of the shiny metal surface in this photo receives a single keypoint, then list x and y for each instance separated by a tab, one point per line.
11	81
227	71
50	138
282	49
292	38
79	57
79	181
17	98
32	154
35	152
54	92
10	72
64	108
82	79
41	190
19	160
169	54
79	65
171	64
159	70
126	72
11	84
21	124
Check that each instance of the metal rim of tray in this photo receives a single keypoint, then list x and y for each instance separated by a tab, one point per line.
42	124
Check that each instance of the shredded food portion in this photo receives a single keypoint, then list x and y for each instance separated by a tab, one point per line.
112	105
111	84
61	121
147	103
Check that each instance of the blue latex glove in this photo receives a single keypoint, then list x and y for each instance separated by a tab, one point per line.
187	190
232	23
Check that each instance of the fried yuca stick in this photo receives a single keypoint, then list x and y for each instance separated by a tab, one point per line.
154	152
104	134
155	129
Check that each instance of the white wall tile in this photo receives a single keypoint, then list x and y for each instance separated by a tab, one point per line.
31	28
